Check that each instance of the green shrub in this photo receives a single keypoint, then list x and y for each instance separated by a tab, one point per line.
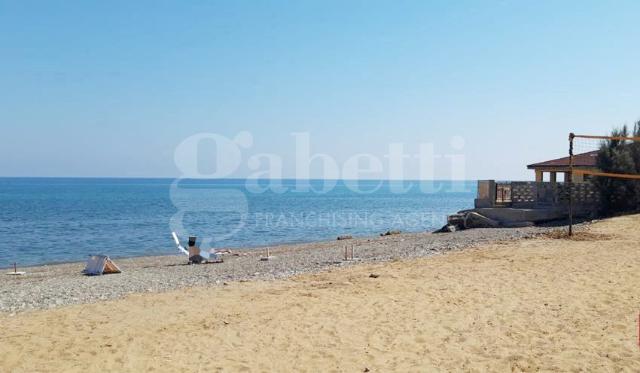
622	157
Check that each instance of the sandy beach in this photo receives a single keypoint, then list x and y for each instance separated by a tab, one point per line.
537	304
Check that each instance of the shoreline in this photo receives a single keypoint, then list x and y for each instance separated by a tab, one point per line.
173	250
239	249
56	285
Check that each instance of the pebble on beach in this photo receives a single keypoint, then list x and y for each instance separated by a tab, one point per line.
63	284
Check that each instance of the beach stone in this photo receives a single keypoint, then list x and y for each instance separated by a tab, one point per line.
475	220
456	220
448	228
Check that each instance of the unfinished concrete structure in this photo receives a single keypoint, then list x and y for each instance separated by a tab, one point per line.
518	203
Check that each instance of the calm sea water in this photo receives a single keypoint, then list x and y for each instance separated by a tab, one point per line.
65	219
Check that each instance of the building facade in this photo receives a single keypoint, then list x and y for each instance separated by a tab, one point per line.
554	167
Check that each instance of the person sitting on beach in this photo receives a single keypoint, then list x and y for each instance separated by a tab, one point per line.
194	252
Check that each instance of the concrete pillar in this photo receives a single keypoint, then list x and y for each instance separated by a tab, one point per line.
539	176
552	178
486	194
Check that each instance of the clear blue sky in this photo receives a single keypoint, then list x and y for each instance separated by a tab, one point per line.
110	88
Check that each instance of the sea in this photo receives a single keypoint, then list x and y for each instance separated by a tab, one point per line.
55	220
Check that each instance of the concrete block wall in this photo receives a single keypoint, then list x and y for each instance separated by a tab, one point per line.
523	193
531	194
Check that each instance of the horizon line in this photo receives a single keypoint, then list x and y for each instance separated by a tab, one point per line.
225	178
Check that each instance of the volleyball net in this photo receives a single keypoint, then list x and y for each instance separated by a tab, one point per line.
585	149
613	162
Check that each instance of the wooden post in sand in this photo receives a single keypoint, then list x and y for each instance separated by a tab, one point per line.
348	253
570	183
267	257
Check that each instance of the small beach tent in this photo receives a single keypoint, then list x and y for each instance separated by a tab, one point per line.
100	264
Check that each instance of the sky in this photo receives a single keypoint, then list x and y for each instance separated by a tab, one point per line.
112	88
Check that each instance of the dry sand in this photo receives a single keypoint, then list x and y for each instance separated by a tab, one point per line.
543	304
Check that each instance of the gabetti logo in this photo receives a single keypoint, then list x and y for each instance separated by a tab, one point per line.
265	173
189	199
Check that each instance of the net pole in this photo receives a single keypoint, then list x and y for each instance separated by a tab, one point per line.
570	183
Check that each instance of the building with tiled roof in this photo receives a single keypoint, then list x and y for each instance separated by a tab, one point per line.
585	161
